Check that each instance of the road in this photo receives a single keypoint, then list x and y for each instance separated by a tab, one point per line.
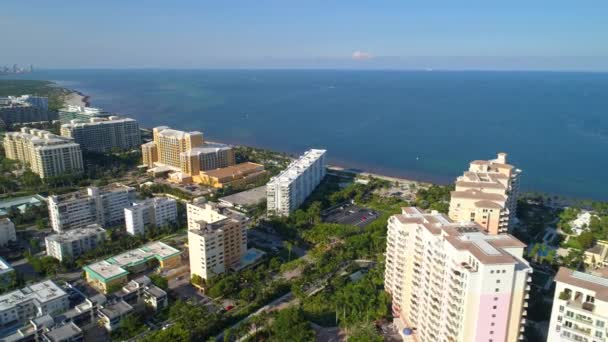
284	299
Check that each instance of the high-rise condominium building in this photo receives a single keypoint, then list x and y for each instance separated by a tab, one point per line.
167	146
487	194
580	307
153	212
7	231
289	189
104	134
26	108
453	281
104	206
75	242
45	153
217	238
85	114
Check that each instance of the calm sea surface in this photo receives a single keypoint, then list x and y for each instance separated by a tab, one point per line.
423	125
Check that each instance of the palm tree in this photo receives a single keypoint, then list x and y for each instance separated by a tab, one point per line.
289	246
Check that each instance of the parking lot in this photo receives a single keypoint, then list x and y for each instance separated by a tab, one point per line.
352	215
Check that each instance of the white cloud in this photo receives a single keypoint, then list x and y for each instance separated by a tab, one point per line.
362	56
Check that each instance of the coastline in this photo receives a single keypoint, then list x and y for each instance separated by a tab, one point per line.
76	98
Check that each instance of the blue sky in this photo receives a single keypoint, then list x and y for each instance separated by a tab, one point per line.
308	33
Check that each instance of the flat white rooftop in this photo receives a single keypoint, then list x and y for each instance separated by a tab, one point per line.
297	167
42	292
5	266
115	266
77	234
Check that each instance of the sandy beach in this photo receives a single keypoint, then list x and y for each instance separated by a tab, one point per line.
76	98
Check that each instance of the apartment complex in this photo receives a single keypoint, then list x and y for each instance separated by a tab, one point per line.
45	153
168	145
103	134
452	281
487	194
22	109
72	243
79	113
7	231
104	206
580	307
289	189
32	301
107	275
217	238
153	212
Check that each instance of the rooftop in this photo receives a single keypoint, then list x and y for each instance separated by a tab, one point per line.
97	122
116	309
297	167
207	148
92	111
5	266
234	170
39	137
469	236
21	203
64	332
173	133
77	233
246	198
41	292
115	266
85	193
588	281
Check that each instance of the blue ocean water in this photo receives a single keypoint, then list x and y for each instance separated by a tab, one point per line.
418	124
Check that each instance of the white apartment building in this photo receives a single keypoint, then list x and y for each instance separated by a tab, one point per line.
7	231
104	206
31	302
153	212
580	307
103	134
23	109
72	243
45	153
487	194
289	189
217	238
453	281
71	112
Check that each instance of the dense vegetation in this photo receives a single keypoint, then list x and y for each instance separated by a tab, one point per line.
55	94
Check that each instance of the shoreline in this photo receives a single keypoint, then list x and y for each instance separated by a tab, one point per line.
76	98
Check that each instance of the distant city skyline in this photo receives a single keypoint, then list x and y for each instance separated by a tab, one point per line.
562	35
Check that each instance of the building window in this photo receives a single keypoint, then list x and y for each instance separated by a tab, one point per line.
493	315
494	307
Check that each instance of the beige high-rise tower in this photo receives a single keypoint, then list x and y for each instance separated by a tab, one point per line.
168	144
487	194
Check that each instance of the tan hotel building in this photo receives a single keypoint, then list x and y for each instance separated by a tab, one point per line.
487	194
186	158
167	146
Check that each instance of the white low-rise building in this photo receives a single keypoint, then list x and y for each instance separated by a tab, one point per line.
7	231
32	301
75	242
153	212
580	307
289	189
104	206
